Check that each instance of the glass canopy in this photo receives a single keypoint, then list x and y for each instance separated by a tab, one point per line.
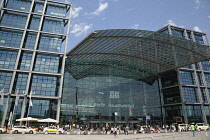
135	54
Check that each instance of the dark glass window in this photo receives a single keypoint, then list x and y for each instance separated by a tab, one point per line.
203	95
23	5
5	80
47	63
14	19
8	58
171	95
53	25
43	109
45	85
10	38
38	7
20	83
190	94
30	39
56	10
187	78
177	32
206	65
25	61
194	114
200	79
198	38
207	77
50	43
34	22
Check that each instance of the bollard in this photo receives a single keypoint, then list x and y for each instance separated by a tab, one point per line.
23	133
68	133
57	133
88	132
34	132
46	133
134	132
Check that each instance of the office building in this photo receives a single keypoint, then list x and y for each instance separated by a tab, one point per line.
33	43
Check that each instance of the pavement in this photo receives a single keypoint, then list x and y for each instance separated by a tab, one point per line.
154	136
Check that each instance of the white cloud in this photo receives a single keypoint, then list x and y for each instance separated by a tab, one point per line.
102	7
75	12
136	26
197	4
209	16
171	22
196	28
79	29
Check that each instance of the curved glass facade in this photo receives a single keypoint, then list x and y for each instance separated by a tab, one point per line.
95	99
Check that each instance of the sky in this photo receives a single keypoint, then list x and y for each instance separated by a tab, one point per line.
90	15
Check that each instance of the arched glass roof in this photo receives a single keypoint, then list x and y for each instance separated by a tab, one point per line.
135	54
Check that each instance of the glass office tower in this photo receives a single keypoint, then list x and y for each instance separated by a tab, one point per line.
33	42
186	91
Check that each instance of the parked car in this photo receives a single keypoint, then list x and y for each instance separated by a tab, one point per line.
17	129
201	126
2	130
53	130
183	127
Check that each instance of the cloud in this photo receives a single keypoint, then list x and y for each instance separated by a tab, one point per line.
79	29
102	7
75	12
171	22
197	3
136	26
196	28
209	16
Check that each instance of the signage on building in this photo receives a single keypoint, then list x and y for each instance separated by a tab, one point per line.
114	94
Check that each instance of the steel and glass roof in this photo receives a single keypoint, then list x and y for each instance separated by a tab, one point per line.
135	54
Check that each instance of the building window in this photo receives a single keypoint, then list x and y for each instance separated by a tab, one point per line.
190	94
187	78
14	19
47	63
5	80
44	85
23	5
20	83
7	58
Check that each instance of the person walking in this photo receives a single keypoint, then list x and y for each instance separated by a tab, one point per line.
192	127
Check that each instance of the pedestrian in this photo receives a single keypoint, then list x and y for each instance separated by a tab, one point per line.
126	130
115	132
192	127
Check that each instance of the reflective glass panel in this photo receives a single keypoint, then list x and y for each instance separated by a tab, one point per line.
20	83
50	43
8	58
14	19
10	38
5	79
190	95
23	5
45	85
25	60
56	10
47	63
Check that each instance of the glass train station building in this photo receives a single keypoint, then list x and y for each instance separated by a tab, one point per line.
118	76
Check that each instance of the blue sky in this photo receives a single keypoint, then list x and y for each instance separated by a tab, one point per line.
90	15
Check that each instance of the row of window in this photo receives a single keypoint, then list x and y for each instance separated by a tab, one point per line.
40	85
52	8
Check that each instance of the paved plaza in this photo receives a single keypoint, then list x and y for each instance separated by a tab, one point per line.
155	136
